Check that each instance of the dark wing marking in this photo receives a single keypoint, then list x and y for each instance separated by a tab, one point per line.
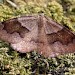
13	25
64	42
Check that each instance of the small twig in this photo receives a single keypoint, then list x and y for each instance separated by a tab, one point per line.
12	3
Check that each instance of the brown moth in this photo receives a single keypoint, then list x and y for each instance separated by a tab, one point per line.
37	32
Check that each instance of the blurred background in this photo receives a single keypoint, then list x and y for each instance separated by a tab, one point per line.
15	63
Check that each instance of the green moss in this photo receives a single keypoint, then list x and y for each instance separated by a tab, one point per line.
14	63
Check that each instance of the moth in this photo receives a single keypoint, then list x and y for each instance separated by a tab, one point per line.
37	32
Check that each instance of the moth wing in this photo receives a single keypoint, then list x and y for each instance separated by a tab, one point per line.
61	40
19	33
54	39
